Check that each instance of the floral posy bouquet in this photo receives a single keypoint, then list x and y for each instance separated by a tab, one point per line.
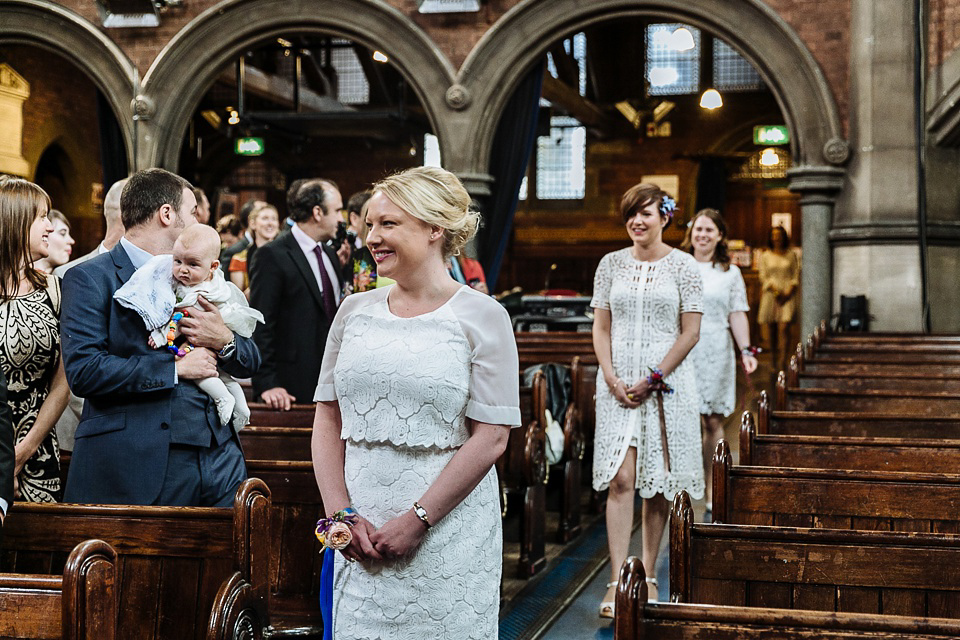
334	532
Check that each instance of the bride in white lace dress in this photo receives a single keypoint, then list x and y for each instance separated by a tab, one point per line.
648	302
417	393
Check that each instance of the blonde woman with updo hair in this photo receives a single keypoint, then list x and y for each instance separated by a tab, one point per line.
417	395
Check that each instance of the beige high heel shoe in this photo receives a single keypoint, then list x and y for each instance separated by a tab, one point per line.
650	598
606	607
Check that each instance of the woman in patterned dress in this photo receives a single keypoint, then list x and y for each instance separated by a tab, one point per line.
647	302
724	313
418	390
30	339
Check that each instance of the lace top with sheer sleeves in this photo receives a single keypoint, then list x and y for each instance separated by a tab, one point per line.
405	388
645	300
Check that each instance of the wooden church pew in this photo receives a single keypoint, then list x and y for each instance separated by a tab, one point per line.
636	619
523	471
853	423
921	379
281	457
926	402
299	415
842	452
183	572
870	366
833	499
81	604
875	572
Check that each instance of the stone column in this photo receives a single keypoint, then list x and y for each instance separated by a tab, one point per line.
875	232
818	188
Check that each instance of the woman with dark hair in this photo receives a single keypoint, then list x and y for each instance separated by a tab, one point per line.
59	244
724	320
30	339
647	301
779	278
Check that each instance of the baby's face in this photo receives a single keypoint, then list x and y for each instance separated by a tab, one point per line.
191	266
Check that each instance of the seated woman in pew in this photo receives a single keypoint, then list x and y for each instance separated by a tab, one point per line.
724	320
417	394
647	300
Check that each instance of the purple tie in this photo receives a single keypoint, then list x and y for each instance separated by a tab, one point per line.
329	297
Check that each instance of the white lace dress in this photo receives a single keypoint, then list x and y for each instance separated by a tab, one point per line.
714	355
645	300
406	387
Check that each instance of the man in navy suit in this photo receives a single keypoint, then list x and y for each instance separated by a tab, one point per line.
295	281
147	435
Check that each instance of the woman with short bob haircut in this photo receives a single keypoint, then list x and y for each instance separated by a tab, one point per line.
30	339
418	391
647	301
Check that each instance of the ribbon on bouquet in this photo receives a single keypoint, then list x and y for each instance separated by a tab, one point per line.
335	535
657	384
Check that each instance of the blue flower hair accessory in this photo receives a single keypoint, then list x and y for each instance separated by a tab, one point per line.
667	206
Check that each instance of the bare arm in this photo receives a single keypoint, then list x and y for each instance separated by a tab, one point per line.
740	327
462	474
328	456
602	320
50	411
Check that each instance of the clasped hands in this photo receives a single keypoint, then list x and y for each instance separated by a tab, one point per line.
395	539
631	397
205	330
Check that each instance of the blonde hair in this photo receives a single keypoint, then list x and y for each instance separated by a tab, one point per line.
203	237
21	201
436	197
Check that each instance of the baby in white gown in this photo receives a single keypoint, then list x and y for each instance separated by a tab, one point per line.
170	283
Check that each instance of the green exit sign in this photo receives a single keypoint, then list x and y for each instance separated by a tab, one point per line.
771	134
249	146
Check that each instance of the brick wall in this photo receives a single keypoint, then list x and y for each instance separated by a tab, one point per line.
62	110
944	33
825	28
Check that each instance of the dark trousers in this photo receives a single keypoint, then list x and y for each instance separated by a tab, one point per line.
203	476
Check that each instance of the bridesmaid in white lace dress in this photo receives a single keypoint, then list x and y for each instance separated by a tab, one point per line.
647	301
724	312
417	394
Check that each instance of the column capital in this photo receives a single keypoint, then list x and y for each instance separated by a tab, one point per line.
476	184
817	184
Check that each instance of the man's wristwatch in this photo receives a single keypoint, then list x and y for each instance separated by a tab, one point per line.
228	348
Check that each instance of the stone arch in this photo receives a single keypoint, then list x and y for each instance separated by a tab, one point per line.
507	51
178	78
83	44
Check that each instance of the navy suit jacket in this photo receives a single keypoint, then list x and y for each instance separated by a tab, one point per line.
133	410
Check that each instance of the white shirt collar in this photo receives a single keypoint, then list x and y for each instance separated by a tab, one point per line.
138	256
306	242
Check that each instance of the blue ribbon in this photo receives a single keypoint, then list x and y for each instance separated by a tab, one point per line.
326	593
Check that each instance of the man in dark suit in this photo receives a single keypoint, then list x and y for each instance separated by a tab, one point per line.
296	283
6	452
147	435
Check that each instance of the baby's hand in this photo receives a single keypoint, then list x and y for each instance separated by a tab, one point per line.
153	345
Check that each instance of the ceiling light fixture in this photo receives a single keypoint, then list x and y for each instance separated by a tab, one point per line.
769	157
682	40
379	56
711	100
